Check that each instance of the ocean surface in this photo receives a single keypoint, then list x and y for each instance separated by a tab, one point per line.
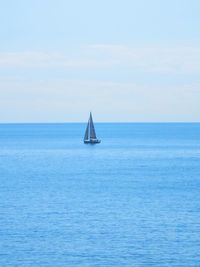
133	200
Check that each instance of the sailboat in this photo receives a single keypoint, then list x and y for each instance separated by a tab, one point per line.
90	135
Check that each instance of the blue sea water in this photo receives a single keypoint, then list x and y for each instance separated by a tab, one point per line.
133	200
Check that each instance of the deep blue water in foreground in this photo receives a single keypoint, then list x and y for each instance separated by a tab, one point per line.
133	200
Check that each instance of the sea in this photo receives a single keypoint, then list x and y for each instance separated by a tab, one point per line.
133	200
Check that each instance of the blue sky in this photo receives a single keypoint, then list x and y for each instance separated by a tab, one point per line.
124	60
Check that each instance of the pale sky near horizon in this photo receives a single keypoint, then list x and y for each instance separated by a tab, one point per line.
124	60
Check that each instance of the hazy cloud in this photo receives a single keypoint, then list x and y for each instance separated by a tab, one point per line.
35	59
157	59
71	100
176	59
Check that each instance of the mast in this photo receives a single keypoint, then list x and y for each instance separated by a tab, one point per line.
92	130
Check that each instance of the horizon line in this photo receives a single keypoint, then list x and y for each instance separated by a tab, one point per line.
98	122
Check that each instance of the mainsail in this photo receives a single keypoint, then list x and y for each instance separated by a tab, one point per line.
92	130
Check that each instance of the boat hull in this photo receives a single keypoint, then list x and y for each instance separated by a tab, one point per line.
92	141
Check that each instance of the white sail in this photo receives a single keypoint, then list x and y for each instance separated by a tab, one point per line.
86	132
92	130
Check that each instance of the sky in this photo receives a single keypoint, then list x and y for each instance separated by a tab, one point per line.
126	61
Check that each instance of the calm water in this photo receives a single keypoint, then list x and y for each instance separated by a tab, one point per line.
133	200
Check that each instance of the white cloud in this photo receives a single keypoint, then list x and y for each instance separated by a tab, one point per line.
35	97
169	59
157	59
35	59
